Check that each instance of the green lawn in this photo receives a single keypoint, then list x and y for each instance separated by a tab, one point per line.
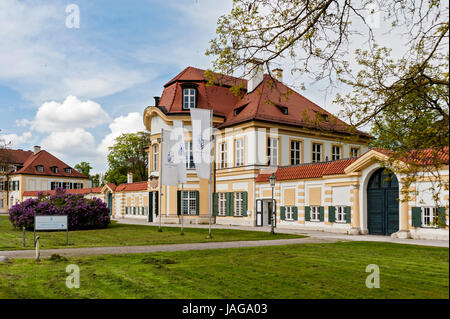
294	271
124	235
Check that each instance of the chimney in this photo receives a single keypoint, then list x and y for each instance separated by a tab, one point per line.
255	70
36	149
157	98
278	74
130	178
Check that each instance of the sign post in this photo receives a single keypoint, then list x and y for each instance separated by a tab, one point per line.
45	222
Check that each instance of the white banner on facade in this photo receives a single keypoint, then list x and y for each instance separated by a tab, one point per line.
201	141
169	169
178	134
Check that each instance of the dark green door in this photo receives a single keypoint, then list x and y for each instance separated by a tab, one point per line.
382	203
110	203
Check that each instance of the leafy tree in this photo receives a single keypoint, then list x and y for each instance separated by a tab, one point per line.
84	168
128	154
403	98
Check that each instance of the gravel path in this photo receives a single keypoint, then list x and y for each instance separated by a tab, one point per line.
45	253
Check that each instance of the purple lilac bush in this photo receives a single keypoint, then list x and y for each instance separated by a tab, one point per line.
82	213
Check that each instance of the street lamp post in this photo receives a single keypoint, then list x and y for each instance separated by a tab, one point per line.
272	180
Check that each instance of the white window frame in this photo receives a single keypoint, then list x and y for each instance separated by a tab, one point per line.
189	203
68	171
336	155
352	149
239	204
155	158
40	168
272	151
239	152
289	213
296	147
316	152
315	213
223	155
189	103
429	213
340	214
188	149
222	198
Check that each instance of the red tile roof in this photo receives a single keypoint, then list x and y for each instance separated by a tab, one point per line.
260	104
422	157
130	187
14	156
84	191
305	171
47	160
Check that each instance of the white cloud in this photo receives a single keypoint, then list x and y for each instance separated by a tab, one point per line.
70	114
130	123
77	142
15	140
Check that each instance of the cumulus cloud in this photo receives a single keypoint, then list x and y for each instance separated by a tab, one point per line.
70	114
68	143
15	140
130	123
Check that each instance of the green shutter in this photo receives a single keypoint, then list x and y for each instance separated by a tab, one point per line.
348	214
307	213
230	204
331	214
244	203
416	216
295	214
215	204
441	217
197	202
179	203
282	213
322	213
126	210
150	206
157	203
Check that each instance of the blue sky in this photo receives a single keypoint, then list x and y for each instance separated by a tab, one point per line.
73	90
108	70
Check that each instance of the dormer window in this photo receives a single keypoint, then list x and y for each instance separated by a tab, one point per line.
283	109
325	117
189	98
54	169
239	109
68	171
40	168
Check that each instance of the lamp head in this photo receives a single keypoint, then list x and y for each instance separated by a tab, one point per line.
272	180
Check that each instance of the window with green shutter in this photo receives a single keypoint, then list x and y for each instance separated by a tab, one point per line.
416	216
322	213
441	217
331	214
215	204
244	203
282	212
295	213
230	204
307	213
348	214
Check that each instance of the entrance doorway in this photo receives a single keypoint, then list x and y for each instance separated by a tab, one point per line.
264	209
382	203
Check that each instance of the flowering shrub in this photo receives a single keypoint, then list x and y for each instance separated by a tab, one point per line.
82	213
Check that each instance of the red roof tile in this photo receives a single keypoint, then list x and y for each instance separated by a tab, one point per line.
130	187
47	161
422	157
305	171
14	156
260	104
84	191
